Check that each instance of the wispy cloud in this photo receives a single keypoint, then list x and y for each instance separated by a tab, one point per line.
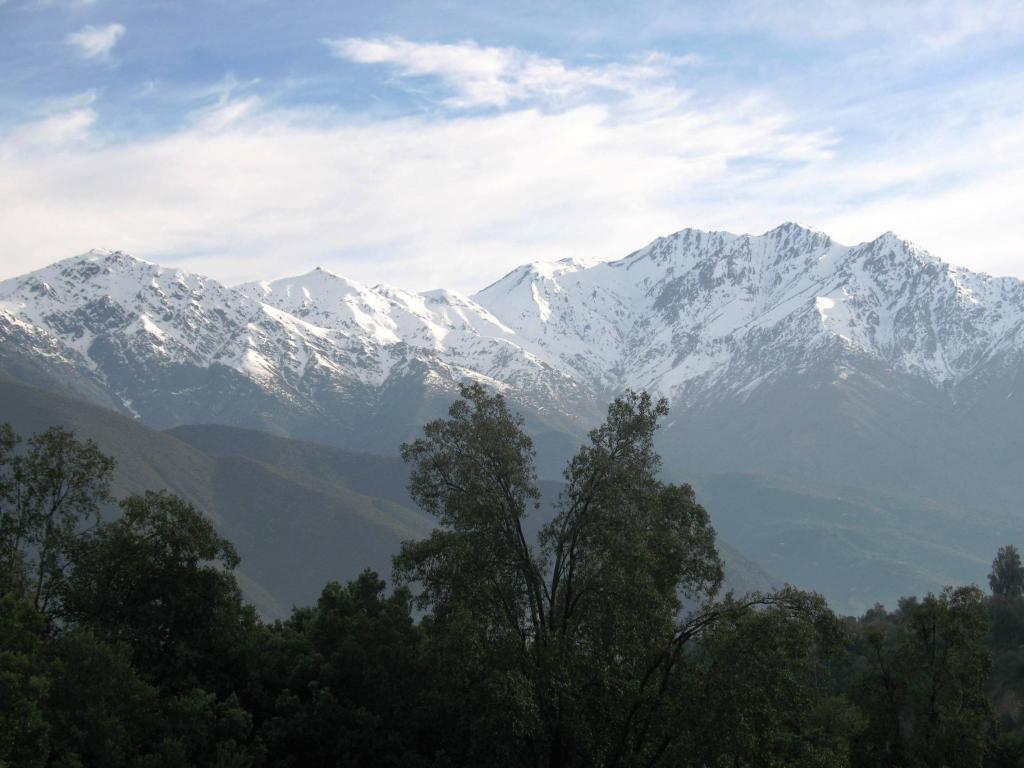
489	76
485	191
528	157
59	129
96	42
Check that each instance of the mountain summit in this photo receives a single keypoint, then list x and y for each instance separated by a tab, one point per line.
699	315
693	316
874	377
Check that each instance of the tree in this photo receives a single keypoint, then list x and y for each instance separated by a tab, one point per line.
24	731
760	691
571	652
923	687
1007	576
13	569
51	491
159	580
348	679
100	712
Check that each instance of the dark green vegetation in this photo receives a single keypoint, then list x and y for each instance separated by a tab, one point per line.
602	641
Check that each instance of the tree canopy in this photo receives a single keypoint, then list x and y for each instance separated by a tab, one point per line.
582	636
1007	576
604	641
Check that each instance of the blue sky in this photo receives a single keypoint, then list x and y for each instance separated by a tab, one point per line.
443	144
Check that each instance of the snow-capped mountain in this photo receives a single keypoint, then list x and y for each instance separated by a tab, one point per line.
867	395
316	355
694	316
711	314
440	324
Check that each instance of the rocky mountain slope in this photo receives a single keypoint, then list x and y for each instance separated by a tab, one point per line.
694	316
874	373
705	315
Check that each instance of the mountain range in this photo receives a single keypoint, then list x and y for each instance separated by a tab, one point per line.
849	414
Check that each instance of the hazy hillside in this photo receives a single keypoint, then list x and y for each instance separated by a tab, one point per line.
293	532
385	477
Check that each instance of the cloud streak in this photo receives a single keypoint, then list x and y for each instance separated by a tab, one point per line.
454	201
496	77
96	42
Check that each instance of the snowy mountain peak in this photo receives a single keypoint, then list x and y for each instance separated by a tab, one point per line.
694	309
693	315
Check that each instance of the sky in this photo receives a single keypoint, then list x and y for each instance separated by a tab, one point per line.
443	144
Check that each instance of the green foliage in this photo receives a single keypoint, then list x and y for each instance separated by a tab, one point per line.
602	643
51	491
24	731
922	682
1007	576
574	651
348	682
100	712
760	684
158	579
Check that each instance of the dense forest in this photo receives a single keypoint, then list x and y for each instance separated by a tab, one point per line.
125	641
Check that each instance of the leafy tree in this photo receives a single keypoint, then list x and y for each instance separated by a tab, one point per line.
51	491
760	690
574	651
1007	576
348	681
923	686
158	579
100	712
24	731
13	569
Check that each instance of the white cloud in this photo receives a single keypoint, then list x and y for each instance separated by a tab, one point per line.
488	76
62	128
96	42
248	190
434	201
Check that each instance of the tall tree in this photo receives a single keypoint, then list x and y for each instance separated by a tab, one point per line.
53	491
1007	576
572	651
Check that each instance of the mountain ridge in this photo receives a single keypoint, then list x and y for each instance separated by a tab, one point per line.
875	372
671	317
